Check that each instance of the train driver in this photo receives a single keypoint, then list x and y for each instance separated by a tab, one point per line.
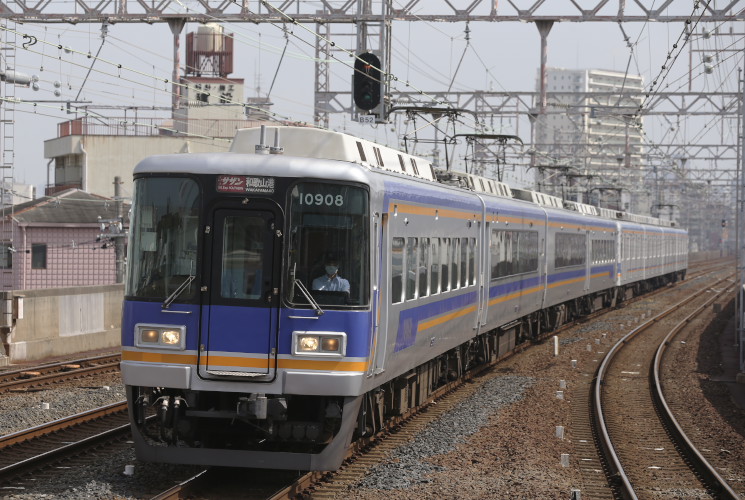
331	281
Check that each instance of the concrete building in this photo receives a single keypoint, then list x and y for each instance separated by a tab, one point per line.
59	242
88	153
208	108
587	147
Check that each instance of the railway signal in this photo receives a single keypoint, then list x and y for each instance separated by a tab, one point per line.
366	81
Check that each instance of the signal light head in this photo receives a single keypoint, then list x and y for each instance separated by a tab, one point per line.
366	81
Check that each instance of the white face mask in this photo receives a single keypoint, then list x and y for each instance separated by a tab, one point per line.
331	270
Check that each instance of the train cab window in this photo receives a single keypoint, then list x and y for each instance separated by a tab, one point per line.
242	257
435	266
423	270
164	238
397	269
328	242
411	267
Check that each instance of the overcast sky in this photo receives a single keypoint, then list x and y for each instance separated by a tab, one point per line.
501	56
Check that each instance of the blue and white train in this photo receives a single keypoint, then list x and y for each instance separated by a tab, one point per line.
238	361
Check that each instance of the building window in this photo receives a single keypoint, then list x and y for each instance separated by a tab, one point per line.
38	256
6	256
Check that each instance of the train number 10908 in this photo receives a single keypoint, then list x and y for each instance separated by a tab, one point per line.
319	199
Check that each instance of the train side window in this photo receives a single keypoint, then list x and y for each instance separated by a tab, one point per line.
502	253
527	245
411	268
444	260
472	261
570	250
397	269
463	262
454	263
494	246
423	267
361	151
435	266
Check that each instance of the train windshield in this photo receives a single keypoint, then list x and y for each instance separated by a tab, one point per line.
163	240
329	245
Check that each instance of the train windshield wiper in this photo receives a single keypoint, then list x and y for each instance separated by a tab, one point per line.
169	300
309	297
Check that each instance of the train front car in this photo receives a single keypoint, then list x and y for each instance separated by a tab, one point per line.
246	322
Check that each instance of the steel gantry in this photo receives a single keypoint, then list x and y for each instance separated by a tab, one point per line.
349	11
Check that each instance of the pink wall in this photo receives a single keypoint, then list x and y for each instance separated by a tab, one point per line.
79	264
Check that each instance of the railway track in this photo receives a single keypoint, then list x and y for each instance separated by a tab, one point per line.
645	452
34	448
43	376
29	451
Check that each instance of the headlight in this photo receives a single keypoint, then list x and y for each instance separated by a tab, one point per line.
307	343
149	335
319	343
163	336
171	337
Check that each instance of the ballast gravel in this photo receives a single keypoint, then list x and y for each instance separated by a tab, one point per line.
406	466
106	479
20	411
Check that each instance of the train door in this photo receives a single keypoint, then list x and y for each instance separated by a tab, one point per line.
240	338
485	274
479	261
383	294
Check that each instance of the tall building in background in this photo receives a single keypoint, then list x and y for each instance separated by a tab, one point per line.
587	148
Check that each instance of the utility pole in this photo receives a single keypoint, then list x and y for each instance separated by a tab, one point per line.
119	240
740	245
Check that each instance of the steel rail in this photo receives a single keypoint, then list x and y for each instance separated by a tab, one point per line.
61	424
604	441
10	380
702	466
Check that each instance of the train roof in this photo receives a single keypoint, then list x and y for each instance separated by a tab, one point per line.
308	142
